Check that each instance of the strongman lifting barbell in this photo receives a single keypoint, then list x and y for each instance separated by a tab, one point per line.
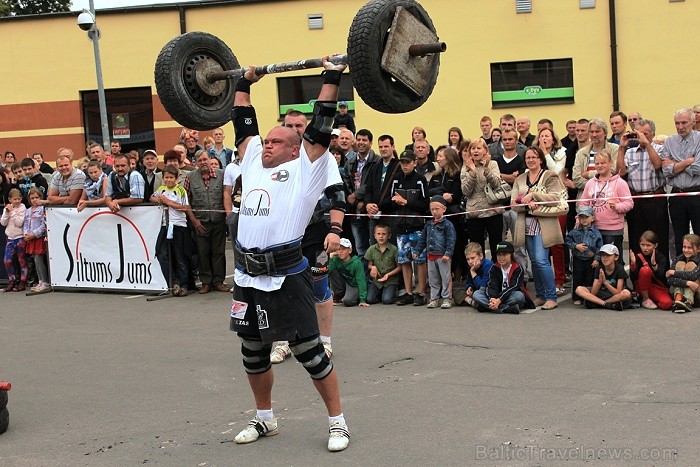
393	54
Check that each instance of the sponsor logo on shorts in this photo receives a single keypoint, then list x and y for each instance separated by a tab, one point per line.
321	266
238	310
262	318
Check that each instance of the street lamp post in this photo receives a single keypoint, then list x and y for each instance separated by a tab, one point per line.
87	22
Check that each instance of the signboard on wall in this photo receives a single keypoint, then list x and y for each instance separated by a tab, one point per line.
120	126
105	250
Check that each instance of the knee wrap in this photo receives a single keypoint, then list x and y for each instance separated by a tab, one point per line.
245	123
310	353
256	355
322	291
319	129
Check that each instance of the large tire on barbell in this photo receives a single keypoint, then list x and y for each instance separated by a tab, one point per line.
368	35
4	420
177	88
3	398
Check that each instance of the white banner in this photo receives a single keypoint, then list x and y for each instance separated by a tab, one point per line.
101	249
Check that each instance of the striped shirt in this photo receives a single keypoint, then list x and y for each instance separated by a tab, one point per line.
75	181
678	149
642	177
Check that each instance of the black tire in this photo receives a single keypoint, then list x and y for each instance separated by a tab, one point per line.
4	420
3	399
366	42
177	88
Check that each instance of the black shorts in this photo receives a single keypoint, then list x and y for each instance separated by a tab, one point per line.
287	314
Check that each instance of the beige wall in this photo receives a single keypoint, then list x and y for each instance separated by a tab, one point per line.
48	60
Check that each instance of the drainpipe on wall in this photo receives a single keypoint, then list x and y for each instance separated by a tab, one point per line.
183	22
613	57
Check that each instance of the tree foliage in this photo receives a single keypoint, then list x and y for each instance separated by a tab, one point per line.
32	7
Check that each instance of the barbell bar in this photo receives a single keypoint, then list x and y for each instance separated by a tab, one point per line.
415	50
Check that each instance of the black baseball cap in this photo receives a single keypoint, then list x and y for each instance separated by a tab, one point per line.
407	155
505	247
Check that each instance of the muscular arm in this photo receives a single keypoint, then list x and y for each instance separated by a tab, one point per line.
242	99
328	93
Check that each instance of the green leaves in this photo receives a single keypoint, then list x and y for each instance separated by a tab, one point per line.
32	7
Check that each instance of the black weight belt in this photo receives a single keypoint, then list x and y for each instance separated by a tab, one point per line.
271	262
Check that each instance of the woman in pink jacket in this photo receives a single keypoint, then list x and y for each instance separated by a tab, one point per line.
610	197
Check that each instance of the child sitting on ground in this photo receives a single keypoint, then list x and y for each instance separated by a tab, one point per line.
648	273
13	221
438	239
347	275
479	270
584	241
684	275
608	290
505	292
384	269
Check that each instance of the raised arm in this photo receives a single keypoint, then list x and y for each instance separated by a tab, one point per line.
317	136
245	123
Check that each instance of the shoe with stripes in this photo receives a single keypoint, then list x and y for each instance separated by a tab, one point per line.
338	437
255	429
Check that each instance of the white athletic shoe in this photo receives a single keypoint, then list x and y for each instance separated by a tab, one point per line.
279	353
255	429
338	437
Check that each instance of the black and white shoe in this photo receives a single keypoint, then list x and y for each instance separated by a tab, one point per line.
338	437
255	429
681	306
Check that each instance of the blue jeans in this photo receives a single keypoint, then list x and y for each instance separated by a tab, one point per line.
360	231
515	298
542	271
386	293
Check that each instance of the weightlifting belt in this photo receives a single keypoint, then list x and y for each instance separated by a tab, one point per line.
276	261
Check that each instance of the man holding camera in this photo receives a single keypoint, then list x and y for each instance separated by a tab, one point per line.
680	159
642	165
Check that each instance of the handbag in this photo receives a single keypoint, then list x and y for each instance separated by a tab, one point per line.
498	195
553	208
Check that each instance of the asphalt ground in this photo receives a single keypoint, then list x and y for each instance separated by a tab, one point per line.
114	380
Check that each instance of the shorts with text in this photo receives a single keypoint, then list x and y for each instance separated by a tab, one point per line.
287	314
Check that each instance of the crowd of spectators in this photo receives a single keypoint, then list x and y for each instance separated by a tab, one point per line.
467	221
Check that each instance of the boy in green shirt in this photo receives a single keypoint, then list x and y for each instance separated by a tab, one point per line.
384	268
347	275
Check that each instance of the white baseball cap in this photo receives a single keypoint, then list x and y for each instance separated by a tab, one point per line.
610	249
344	242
